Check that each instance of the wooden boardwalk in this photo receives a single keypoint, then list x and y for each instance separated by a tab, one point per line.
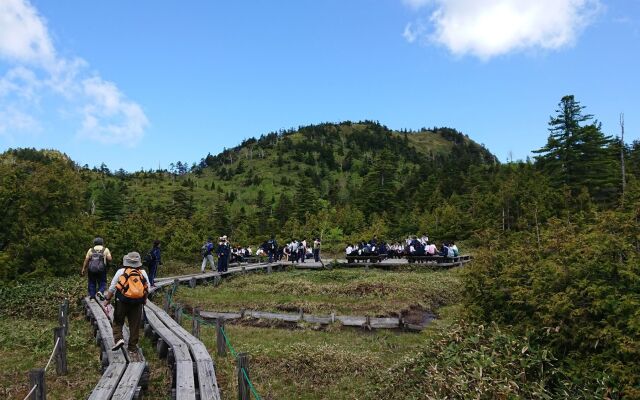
365	322
122	378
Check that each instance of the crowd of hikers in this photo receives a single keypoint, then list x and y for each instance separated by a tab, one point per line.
294	251
412	246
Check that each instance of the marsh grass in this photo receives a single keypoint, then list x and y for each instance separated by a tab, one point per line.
339	363
344	291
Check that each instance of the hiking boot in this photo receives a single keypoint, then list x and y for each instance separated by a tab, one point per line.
134	356
118	345
100	296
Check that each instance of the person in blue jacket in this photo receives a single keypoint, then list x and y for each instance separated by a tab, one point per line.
206	251
223	254
155	261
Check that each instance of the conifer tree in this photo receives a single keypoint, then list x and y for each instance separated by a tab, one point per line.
577	155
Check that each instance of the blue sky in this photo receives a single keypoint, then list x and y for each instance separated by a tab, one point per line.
141	84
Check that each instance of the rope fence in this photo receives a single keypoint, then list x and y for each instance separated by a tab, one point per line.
242	371
53	353
59	352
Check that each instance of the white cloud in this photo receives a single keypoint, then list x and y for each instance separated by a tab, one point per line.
12	119
109	117
23	33
103	112
488	28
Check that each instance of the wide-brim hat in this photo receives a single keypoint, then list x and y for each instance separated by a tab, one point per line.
132	260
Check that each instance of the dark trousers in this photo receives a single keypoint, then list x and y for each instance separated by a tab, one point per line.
96	281
222	263
153	270
316	254
133	313
270	256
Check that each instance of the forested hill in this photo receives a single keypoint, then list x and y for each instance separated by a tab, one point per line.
364	165
359	176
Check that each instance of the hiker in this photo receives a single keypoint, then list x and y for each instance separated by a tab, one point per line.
454	249
431	249
444	250
316	250
154	261
302	250
206	250
129	285
223	254
271	248
95	263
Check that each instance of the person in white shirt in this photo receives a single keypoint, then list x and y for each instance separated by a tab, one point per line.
349	249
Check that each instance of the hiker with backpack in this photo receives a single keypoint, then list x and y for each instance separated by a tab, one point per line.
95	264
130	288
207	254
152	260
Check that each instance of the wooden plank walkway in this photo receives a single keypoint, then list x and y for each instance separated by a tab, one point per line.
207	382
346	320
178	356
121	379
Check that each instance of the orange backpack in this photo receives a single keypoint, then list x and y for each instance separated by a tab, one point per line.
132	287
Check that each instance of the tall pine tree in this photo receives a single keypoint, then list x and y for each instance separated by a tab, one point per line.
577	154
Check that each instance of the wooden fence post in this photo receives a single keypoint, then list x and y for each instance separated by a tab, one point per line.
36	377
61	351
192	282
243	385
269	270
220	342
195	323
216	280
63	316
177	316
176	283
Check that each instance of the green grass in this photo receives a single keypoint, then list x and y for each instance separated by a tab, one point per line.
346	292
338	363
305	361
27	343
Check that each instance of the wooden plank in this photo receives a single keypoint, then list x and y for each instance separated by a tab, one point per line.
185	387
349	320
221	315
384	323
129	381
106	332
270	315
180	349
184	383
316	319
207	381
109	382
207	373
